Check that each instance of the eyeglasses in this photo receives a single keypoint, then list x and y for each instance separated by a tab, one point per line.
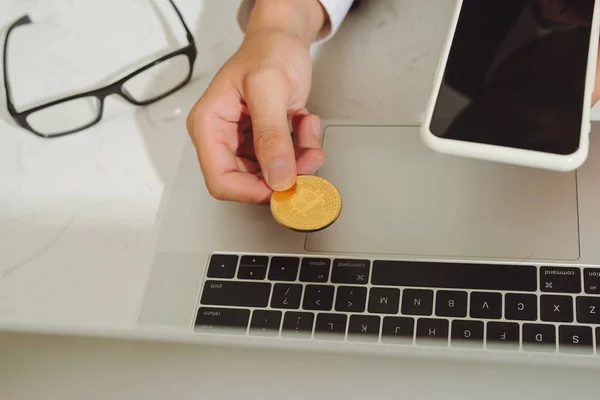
80	111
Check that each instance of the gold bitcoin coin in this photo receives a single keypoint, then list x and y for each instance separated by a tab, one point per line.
311	205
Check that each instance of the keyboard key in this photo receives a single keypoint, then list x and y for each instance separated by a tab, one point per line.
591	280
297	324
588	310
318	297
315	270
286	295
598	340
467	333
451	303
222	320
398	330
331	326
351	298
503	335
254	261
520	307
232	293
575	339
560	280
253	267
417	302
539	337
486	305
265	323
222	266
522	278
254	272
432	332
364	328
284	268
384	301
556	308
350	271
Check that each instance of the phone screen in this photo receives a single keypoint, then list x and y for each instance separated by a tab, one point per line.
515	75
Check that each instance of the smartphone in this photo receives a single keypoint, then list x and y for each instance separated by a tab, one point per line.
514	83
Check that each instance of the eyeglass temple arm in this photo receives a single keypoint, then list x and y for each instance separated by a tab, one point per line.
24	20
189	35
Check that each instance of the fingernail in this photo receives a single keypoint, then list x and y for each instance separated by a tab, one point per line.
316	127
278	175
302	111
316	164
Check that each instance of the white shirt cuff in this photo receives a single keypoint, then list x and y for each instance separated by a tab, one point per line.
336	12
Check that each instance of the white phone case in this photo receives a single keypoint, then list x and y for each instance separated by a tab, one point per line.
527	158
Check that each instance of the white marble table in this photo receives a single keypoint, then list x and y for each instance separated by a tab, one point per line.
77	213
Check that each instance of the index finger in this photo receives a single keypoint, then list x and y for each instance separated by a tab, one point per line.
227	176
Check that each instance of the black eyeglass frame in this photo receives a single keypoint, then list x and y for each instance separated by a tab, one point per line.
100	94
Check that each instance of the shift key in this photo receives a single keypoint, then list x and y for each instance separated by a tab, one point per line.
222	320
233	293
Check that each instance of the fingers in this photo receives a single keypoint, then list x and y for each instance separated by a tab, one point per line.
244	188
244	145
310	161
216	136
246	165
596	93
231	178
267	97
310	156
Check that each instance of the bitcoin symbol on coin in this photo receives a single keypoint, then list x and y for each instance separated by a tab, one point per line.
305	201
312	204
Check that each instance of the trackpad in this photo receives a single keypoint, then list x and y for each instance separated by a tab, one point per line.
400	198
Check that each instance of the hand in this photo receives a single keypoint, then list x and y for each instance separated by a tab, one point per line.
596	93
241	125
573	12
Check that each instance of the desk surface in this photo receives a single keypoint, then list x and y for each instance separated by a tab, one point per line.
77	213
80	368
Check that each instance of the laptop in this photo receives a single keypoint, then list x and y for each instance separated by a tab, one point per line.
433	256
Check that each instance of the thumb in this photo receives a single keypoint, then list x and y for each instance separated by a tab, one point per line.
267	98
596	93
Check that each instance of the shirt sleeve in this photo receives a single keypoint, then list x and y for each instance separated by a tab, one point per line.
336	12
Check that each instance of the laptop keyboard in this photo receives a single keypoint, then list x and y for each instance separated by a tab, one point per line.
483	306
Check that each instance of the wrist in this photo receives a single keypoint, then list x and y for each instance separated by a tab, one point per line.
302	18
